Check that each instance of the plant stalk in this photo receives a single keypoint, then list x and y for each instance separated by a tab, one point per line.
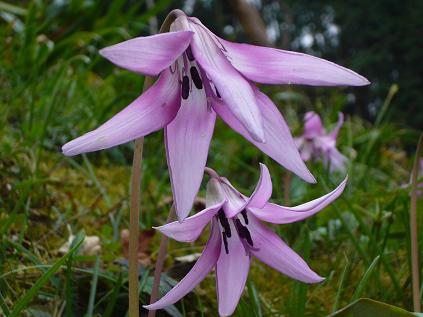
134	221
287	177
159	263
413	229
134	215
134	218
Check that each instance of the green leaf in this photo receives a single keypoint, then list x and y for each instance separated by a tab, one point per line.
11	8
27	297
366	307
360	288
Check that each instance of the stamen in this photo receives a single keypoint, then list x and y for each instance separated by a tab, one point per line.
225	242
248	237
189	54
243	232
244	215
196	77
185	87
225	223
239	227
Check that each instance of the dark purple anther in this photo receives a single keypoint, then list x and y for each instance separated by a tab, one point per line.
247	236
189	54
225	223
185	87
243	232
244	215
225	242
196	77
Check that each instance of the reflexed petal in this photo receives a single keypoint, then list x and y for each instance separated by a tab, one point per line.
235	201
148	113
231	273
280	215
234	89
273	66
335	131
190	229
263	190
337	161
148	55
270	249
279	142
312	125
199	271
187	145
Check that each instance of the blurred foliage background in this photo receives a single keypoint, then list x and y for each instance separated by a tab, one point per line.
54	86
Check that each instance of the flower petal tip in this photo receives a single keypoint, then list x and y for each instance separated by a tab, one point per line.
67	150
103	52
311	179
320	279
107	52
315	278
308	177
363	82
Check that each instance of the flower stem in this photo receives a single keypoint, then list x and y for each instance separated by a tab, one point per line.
286	187
134	215
160	262
413	229
134	220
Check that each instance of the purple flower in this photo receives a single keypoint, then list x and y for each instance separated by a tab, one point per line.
201	75
237	234
317	144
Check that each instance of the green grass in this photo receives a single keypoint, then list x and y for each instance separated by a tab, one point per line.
54	86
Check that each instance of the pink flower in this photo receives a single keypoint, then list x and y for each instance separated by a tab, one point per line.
201	75
237	234
317	144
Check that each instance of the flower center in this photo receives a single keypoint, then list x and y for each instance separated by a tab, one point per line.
242	230
188	62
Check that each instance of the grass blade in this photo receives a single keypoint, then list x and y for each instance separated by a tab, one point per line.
112	301
341	285
252	292
415	270
93	291
27	297
360	288
5	310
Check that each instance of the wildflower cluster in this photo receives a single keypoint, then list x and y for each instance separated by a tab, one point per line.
201	76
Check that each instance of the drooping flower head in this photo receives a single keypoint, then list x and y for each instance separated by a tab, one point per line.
201	75
237	234
317	144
